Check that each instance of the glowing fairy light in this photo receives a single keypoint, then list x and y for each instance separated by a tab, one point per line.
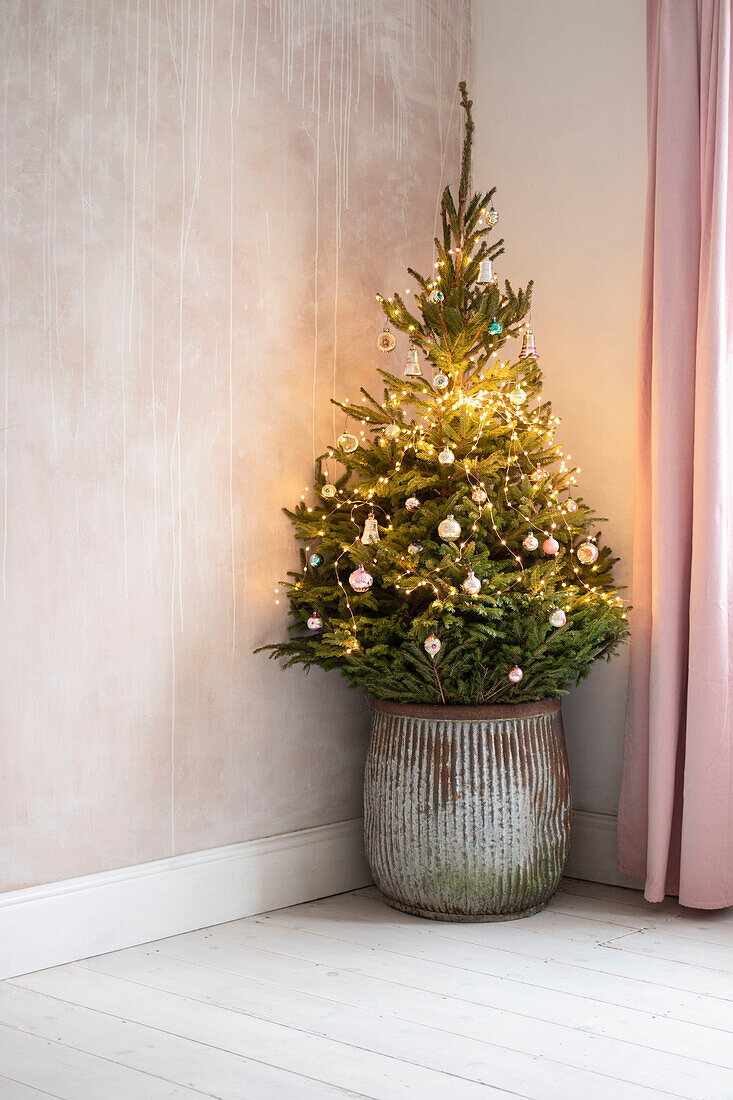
476	407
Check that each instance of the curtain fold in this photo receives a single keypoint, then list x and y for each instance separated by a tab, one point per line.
676	807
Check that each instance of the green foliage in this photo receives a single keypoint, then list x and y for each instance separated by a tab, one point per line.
508	450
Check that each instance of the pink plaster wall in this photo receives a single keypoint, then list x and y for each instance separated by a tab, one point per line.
197	205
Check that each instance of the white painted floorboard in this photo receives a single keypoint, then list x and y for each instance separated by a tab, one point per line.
600	997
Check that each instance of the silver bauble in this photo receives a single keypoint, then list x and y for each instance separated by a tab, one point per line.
412	363
371	531
360	580
485	272
472	584
449	529
587	553
529	350
348	442
386	341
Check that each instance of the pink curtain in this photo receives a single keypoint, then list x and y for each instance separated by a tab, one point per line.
676	809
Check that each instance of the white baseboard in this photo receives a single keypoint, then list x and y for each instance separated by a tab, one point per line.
593	851
64	921
47	925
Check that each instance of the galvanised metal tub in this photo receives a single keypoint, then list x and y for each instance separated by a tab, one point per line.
467	809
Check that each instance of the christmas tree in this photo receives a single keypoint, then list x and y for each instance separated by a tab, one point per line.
452	561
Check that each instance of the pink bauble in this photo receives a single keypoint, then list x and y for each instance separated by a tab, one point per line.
360	580
515	674
551	545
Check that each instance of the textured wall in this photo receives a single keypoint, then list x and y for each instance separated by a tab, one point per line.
198	202
560	91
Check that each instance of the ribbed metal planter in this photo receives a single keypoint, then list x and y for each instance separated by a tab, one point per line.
467	809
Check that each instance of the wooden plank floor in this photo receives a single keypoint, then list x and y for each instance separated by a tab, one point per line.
600	997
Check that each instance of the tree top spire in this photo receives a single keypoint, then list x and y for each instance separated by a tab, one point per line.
465	183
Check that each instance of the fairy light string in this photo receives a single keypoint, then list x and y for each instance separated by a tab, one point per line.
476	406
424	439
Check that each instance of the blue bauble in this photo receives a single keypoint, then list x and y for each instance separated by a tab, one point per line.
316	560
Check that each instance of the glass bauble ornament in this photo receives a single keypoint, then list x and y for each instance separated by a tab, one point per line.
571	505
371	531
472	584
494	327
436	296
537	474
328	491
551	546
587	553
414	548
386	341
315	622
518	396
530	542
360	580
432	645
449	529
557	618
392	431
479	496
315	560
529	351
348	442
412	364
514	675
412	503
441	381
492	216
446	457
485	273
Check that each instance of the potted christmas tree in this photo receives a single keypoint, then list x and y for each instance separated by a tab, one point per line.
453	572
